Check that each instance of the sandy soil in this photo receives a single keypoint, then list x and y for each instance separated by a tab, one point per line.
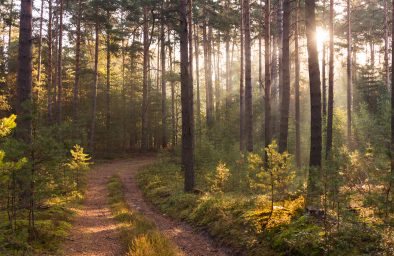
96	233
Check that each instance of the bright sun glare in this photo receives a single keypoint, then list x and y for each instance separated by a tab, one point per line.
321	36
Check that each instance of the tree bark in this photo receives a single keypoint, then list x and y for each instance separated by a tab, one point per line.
108	86
77	64
24	76
163	86
248	79
187	103
267	64
350	75
330	110
324	62
24	104
198	104
40	44
60	65
94	89
297	88
391	178
241	85
386	45
316	113
285	103
49	71
145	89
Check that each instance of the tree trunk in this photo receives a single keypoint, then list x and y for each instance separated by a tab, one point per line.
386	45
198	107
391	178
163	87
248	79
187	103
145	89
217	80
330	110
94	91
267	64
40	45
77	64
297	88
24	104
350	75
49	71
24	76
60	65
285	102
316	114
324	85
173	109
108	87
241	86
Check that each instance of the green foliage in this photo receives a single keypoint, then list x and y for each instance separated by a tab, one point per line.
220	178
139	235
78	165
277	174
245	221
6	125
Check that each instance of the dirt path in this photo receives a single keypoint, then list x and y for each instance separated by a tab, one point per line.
95	232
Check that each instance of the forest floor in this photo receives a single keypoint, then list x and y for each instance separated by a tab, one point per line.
96	233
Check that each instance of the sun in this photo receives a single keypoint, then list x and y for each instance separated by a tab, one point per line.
321	36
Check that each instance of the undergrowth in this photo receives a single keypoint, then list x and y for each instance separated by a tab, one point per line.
139	236
53	222
244	221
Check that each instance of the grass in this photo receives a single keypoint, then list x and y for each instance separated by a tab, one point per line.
52	225
139	236
241	220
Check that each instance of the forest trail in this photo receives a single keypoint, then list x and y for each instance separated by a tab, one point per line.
95	232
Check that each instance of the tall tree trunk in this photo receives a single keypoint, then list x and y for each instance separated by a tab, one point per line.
316	113
40	44
24	102
228	72
49	71
95	82
60	65
324	85
297	88
77	64
11	21
280	55
217	79
267	64
386	45
391	178
187	103
241	85
145	89
350	75
285	103
24	76
210	83
173	109
248	79
108	87
330	84
198	105
163	87
190	37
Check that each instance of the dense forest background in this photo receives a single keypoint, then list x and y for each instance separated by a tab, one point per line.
288	100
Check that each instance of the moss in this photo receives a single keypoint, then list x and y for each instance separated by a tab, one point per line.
244	221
